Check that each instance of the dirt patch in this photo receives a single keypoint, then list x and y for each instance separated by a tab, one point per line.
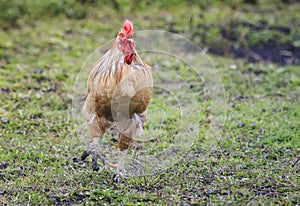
255	43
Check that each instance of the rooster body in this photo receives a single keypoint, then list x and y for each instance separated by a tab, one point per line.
119	90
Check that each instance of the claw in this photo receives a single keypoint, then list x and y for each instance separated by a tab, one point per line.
84	155
95	157
119	176
94	164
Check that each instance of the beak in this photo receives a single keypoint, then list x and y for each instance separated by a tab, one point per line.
130	40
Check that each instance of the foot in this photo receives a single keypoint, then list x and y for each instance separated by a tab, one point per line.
84	155
120	174
94	164
95	157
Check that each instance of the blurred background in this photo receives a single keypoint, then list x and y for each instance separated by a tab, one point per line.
267	31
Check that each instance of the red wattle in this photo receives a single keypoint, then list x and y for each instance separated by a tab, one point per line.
128	59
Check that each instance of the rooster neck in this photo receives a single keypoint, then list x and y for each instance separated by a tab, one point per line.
117	67
112	66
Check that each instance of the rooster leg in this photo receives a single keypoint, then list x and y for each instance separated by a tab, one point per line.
120	172
95	157
123	143
96	153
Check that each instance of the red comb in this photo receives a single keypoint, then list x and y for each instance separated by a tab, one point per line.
128	28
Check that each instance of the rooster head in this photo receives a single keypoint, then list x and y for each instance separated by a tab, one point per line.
125	41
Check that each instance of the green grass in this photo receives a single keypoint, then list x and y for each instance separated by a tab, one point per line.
252	164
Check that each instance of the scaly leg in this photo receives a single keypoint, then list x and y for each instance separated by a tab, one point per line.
123	144
121	172
86	153
96	153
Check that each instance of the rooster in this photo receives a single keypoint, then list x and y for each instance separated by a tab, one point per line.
119	89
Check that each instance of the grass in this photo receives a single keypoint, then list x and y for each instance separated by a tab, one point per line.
254	163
